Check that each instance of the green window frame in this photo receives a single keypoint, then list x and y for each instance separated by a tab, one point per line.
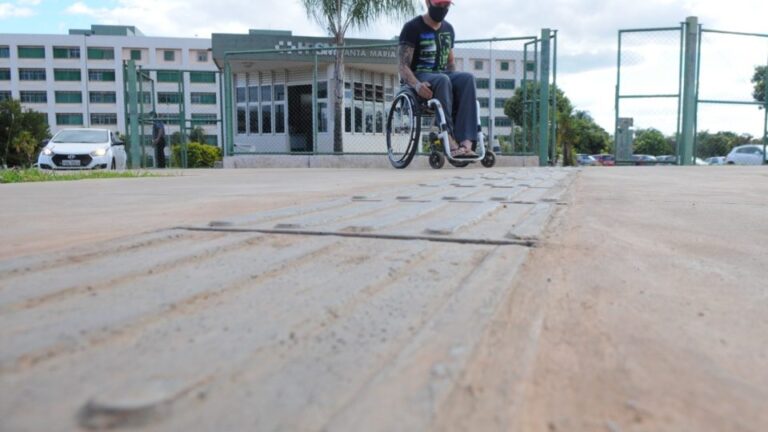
5	74
31	74
69	119
135	54
101	53
504	66
484	121
5	95
36	97
66	52
483	83
169	55
5	52
68	97
505	84
101	75
203	98
103	119
31	52
202	77
67	75
530	66
102	97
168	98
168	76
204	119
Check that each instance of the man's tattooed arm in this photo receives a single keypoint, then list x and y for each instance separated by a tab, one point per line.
406	56
451	67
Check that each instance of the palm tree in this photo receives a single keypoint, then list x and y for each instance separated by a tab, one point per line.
338	16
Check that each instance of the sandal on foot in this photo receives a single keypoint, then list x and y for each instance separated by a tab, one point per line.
458	152
468	152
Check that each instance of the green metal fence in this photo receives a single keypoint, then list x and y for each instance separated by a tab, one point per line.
169	95
284	101
671	79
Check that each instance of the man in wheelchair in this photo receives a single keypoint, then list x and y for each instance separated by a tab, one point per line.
427	65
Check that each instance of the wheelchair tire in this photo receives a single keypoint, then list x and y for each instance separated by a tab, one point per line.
489	160
436	160
398	160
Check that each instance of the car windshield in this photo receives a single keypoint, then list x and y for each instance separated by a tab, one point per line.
81	137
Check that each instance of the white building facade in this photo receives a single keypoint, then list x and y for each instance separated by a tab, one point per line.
77	79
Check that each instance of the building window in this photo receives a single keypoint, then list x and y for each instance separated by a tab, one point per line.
69	97
240	95
530	66
168	98
69	119
67	75
101	75
101	54
169	118
253	94
241	120
500	102
484	121
98	97
135	54
31	52
103	119
280	92
502	122
204	119
483	102
169	55
37	97
202	56
5	95
31	74
212	140
5	74
168	76
266	118
482	83
505	84
505	66
5	52
66	52
202	77
203	98
266	93
478	65
253	118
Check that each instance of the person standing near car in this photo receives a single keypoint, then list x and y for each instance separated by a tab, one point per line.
427	65
158	140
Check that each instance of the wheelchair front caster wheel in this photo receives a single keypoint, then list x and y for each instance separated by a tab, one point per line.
489	160
436	160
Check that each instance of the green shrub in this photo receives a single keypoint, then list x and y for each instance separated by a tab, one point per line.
198	155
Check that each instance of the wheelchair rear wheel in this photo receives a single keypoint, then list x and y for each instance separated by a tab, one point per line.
403	131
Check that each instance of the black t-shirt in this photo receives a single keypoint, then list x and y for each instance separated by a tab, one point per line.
430	47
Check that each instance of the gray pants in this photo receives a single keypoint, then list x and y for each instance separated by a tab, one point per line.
456	92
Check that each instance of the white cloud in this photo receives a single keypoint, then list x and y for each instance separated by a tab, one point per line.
8	10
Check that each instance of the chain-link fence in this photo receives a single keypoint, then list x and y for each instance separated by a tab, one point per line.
688	82
187	104
285	101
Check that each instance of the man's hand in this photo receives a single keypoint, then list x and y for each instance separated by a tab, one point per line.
424	90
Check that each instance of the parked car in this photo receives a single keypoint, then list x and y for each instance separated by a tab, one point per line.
715	160
83	149
666	159
700	162
750	154
585	160
641	159
605	159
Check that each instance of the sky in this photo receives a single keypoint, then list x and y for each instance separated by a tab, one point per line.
587	31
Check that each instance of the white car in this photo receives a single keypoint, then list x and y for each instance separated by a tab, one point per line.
750	154
715	160
83	149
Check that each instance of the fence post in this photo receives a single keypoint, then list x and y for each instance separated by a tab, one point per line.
765	120
689	90
230	142
133	115
544	114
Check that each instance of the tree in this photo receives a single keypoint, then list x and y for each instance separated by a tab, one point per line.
587	136
197	135
758	79
14	120
719	144
338	16
652	142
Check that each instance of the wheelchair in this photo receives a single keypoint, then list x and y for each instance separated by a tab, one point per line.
404	132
